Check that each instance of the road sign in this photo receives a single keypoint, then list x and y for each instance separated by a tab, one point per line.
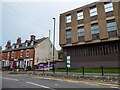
68	65
68	61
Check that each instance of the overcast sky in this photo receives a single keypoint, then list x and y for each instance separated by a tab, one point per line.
22	18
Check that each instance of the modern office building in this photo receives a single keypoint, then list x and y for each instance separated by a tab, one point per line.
90	35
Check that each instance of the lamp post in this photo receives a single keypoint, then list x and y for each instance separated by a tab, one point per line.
53	47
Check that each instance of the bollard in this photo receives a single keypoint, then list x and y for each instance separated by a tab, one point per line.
83	70
102	70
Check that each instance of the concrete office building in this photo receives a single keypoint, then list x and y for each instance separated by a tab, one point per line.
91	35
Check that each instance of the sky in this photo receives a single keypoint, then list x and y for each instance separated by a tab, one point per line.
22	18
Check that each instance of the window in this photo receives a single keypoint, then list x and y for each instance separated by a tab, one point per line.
93	11
68	34
32	43
80	31
79	15
27	53
108	7
26	44
8	56
94	28
68	18
21	53
12	56
111	25
17	46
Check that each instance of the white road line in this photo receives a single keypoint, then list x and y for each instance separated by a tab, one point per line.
114	87
91	84
56	84
38	85
10	79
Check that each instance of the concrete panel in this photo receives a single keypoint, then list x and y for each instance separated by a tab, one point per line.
87	26
74	26
62	29
103	33
116	6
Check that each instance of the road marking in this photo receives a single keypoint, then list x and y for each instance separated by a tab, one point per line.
56	84
39	85
10	79
114	87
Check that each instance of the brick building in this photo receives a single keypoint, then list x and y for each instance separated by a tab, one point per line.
27	54
91	35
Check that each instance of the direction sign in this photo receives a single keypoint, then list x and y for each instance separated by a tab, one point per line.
68	61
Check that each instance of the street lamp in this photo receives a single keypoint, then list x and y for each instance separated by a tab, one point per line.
53	46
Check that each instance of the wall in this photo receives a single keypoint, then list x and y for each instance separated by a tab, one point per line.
42	52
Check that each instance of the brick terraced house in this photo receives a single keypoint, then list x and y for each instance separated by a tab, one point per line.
91	35
28	54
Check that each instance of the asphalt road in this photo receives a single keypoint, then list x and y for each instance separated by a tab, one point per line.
27	81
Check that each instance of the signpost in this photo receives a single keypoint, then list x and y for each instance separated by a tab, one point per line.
68	63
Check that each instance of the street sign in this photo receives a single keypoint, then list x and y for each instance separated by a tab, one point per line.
68	61
68	66
68	57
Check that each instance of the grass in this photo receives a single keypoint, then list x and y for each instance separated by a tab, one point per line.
90	70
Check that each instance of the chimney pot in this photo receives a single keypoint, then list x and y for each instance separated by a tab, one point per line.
8	44
32	37
18	40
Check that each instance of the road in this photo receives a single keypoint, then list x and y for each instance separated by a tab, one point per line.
27	81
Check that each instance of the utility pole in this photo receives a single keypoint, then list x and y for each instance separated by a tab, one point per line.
49	52
53	46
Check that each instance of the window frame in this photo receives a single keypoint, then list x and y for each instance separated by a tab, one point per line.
70	34
12	55
27	53
110	22
96	31
80	32
108	7
80	15
93	12
68	18
21	53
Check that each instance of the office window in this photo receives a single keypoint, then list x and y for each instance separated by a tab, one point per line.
108	7
21	53
12	56
80	31
111	25
94	28
93	11
79	15
68	34
68	18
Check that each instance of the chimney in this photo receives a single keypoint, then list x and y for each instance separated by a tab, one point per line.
18	40
32	37
8	44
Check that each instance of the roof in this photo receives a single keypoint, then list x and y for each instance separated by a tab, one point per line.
23	46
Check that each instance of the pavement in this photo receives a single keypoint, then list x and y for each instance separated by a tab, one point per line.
31	81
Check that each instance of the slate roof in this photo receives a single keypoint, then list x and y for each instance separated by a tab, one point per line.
23	46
